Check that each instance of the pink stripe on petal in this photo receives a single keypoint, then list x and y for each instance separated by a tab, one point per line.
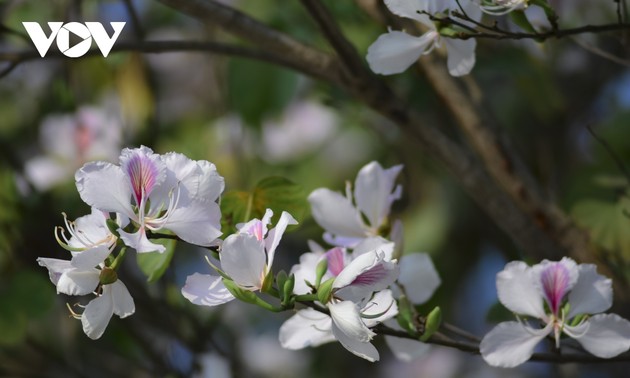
371	276
143	173
555	284
335	260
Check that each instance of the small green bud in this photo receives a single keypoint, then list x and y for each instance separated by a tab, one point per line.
406	314
320	270
281	278
287	289
107	276
324	291
434	319
240	293
113	227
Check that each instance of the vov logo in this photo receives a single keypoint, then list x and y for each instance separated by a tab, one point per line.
61	32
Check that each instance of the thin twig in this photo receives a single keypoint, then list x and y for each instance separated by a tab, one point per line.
135	20
599	52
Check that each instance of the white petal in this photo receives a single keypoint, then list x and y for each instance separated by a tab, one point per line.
409	8
592	292
336	214
383	305
518	291
90	258
346	317
307	328
273	239
200	178
243	259
369	271
375	243
198	223
96	316
122	300
106	187
206	290
419	277
305	271
373	191
78	282
139	241
604	335
405	350
92	229
56	267
394	52
362	349
46	172
460	55
511	343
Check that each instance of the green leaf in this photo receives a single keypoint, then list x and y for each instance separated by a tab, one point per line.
275	193
607	223
154	264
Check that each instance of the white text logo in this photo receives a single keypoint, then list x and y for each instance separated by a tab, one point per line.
85	33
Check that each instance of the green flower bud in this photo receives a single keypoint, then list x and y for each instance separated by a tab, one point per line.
324	291
406	315
287	290
434	319
320	270
107	276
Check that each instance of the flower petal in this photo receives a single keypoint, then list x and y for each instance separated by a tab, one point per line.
307	328
305	271
592	292
273	238
394	52
106	187
518	291
78	282
369	272
460	55
198	223
206	290
383	305
200	178
56	267
511	343
336	214
373	191
377	243
408	8
96	316
243	259
405	350
418	276
604	335
347	319
362	349
139	241
144	170
90	258
122	300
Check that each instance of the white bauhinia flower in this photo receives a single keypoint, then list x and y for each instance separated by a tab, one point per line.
374	192
501	7
565	297
246	257
395	51
156	192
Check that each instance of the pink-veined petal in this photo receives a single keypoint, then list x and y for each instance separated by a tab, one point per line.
603	335
78	282
105	187
369	271
307	328
374	243
144	171
198	223
509	344
460	55
273	239
363	349
373	191
96	315
518	291
243	259
346	317
336	214
122	300
395	51
592	292
206	290
419	277
555	279
139	241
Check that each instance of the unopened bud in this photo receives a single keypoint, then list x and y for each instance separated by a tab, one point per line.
320	271
107	276
434	319
324	291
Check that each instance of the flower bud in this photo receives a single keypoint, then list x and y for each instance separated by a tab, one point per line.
320	270
107	276
324	291
434	319
287	289
406	314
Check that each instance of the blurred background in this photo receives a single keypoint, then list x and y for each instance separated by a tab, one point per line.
254	120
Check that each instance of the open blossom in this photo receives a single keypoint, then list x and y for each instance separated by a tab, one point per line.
501	7
156	192
374	192
360	300
395	51
564	296
246	257
90	242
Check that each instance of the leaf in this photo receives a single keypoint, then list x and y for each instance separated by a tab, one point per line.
607	223
154	264
276	193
